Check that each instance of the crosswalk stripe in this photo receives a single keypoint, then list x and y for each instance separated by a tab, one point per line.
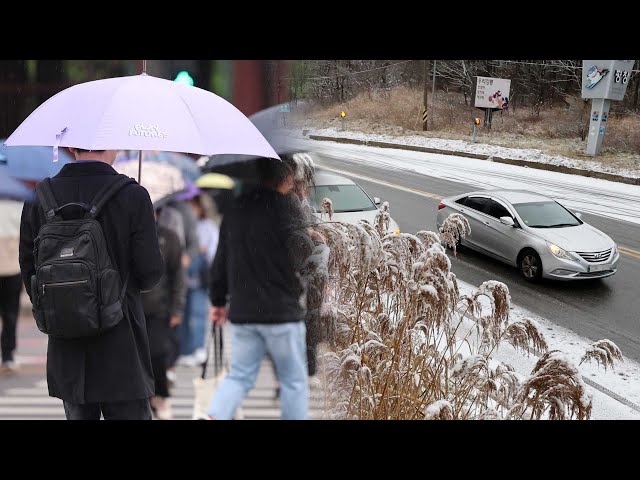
34	402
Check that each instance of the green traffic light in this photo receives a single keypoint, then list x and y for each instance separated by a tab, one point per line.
184	78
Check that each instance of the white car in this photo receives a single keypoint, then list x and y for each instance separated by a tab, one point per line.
350	202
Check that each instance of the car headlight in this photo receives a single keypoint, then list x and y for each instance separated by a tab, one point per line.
559	252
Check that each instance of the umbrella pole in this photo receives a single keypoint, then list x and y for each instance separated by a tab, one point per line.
139	165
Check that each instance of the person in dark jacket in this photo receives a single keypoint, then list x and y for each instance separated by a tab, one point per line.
177	352
254	267
163	309
109	374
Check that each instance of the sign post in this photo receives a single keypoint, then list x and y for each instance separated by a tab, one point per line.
342	116
491	94
603	81
476	122
285	108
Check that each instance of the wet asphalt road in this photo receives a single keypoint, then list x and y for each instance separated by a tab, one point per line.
596	309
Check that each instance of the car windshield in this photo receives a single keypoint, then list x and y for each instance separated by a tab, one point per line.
545	215
345	198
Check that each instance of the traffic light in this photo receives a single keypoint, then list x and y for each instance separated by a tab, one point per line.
184	78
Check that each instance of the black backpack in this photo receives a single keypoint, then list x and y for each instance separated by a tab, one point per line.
76	291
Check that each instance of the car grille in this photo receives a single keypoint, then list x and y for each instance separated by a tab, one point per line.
596	257
595	274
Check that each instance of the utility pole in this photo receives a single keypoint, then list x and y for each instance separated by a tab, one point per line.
425	111
433	91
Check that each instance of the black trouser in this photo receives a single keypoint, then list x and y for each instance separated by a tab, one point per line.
160	344
128	410
312	359
10	289
174	346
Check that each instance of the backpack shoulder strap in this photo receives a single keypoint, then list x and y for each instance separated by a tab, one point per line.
47	198
108	191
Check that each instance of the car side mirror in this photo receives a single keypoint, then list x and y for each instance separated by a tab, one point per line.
507	221
578	214
377	200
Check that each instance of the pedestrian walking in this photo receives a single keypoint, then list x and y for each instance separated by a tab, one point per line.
163	309
10	280
88	247
194	328
255	269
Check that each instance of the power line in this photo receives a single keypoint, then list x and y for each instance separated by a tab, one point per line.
547	64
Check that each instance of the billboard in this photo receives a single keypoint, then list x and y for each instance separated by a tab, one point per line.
606	79
492	93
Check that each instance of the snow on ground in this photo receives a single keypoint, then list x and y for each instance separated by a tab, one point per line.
528	154
623	379
590	195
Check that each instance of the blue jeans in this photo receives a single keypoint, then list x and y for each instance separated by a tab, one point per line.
285	342
194	326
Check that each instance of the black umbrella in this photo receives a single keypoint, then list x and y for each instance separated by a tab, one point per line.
270	124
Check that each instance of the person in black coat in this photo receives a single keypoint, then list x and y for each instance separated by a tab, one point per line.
109	374
163	309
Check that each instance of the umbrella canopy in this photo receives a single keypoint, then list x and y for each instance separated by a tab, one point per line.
269	123
12	189
191	191
215	180
32	163
183	162
160	179
141	112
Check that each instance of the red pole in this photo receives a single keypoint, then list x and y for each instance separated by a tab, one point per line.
248	84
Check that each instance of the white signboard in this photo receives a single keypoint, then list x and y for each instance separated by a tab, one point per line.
492	92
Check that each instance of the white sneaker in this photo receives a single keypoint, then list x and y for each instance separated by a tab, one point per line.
186	361
171	377
10	365
200	355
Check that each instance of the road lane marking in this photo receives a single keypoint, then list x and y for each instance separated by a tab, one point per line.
433	196
629	252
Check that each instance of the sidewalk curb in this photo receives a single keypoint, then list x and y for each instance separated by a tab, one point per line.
521	163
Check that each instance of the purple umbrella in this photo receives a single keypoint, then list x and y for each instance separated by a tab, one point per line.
141	112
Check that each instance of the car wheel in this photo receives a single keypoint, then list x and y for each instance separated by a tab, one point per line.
530	265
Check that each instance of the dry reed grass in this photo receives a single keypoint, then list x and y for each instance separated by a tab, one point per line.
557	131
399	341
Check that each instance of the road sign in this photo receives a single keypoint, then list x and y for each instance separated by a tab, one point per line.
492	93
425	115
343	114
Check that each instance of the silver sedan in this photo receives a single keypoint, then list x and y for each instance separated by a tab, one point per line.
534	233
350	202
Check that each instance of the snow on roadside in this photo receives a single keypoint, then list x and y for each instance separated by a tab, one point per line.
528	154
588	195
623	379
